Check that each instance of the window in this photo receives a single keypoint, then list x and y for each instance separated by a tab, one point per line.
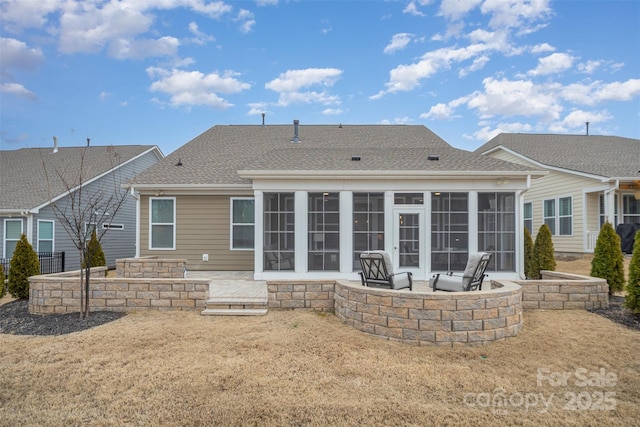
497	229
449	231
368	224
279	231
12	233
45	236
630	209
242	223
528	216
549	215
408	198
162	223
565	216
324	232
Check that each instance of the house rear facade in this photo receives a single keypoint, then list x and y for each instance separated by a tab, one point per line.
303	201
591	179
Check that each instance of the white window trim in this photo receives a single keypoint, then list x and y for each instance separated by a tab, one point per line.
530	218
4	234
231	224
53	234
558	216
151	224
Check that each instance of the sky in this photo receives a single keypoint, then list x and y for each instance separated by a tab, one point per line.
160	72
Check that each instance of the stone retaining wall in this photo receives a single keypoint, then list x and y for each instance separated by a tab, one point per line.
564	291
298	294
60	293
434	318
151	267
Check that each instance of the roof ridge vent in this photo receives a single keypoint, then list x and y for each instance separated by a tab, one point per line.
296	136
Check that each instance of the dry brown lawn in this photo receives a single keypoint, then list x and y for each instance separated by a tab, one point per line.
302	368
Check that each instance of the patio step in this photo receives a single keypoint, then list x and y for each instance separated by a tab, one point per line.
236	298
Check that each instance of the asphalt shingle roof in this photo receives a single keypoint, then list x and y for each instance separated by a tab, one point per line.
29	176
606	156
216	156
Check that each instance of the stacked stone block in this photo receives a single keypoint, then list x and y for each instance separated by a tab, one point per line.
314	295
440	319
564	291
150	267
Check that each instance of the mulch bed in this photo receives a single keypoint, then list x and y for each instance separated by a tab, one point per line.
15	319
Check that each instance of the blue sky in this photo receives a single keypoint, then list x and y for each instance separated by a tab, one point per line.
163	71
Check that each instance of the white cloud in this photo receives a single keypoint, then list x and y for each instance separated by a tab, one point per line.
577	118
552	64
476	65
596	92
15	54
332	111
290	84
189	88
247	22
398	42
412	9
266	2
143	48
589	67
18	90
105	95
515	13
439	112
456	9
288	98
486	133
542	48
200	37
256	108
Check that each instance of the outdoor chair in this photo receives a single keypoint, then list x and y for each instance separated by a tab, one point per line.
377	269
470	280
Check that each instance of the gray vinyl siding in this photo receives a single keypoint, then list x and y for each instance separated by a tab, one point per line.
202	227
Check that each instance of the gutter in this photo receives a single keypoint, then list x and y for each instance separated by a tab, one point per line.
519	195
137	198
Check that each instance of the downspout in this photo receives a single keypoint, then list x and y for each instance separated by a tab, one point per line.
520	199
29	229
137	197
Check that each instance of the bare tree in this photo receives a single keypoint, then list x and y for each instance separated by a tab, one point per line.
85	205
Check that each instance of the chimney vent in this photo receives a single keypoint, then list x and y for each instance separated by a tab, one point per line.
263	114
88	141
296	137
587	123
55	145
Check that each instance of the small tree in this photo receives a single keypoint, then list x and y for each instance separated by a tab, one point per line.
632	299
94	252
529	264
607	260
3	289
24	264
544	257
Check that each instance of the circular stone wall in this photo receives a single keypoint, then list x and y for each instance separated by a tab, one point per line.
432	318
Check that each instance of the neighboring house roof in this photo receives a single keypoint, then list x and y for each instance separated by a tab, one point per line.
606	156
29	176
231	155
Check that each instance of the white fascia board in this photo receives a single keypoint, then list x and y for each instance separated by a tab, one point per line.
384	174
95	178
194	189
545	166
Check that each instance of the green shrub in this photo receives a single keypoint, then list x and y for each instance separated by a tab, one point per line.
607	260
24	264
632	299
94	253
3	289
544	257
529	265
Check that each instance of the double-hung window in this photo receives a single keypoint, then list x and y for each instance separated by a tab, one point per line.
45	236
12	233
242	223
162	223
549	215
558	215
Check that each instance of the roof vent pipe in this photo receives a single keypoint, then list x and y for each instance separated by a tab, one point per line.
263	114
296	137
587	128
88	141
55	145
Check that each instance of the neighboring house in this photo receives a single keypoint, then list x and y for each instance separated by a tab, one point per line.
592	179
305	200
31	179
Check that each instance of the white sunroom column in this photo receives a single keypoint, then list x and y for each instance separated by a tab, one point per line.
258	232
346	231
473	221
301	207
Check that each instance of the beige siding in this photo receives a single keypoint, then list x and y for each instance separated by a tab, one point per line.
553	186
202	227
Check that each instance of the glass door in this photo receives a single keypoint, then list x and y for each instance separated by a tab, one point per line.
408	244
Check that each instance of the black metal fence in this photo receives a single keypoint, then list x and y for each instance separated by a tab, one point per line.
50	262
